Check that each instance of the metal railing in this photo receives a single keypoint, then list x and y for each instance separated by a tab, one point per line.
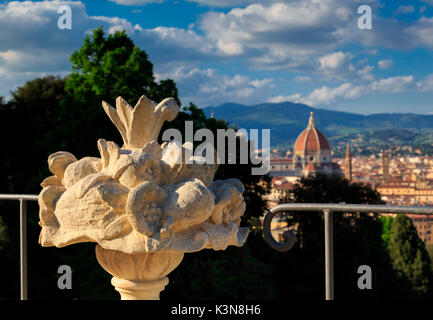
289	238
22	198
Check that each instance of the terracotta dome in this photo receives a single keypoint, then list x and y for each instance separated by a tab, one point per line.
311	139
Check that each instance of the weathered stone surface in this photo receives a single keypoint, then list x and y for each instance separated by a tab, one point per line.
138	201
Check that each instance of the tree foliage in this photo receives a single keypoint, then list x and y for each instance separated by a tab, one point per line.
410	257
357	241
53	114
107	67
386	229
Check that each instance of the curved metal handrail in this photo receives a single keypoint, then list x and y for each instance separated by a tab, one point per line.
289	238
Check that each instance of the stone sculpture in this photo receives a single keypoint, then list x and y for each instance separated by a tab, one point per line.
142	206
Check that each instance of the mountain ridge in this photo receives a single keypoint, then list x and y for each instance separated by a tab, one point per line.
287	119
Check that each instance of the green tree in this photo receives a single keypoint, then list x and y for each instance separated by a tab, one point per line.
410	257
104	68
25	121
71	118
386	229
107	67
357	241
429	249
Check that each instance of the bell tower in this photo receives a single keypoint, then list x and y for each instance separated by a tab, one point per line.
348	164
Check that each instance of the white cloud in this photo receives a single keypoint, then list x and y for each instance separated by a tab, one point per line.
334	61
135	2
31	43
280	98
279	35
393	84
338	66
297	35
302	79
208	87
421	32
425	84
404	9
325	95
224	3
385	64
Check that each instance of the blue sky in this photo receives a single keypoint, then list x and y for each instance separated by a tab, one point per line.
244	51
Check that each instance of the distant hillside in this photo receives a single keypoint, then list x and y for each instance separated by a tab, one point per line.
286	120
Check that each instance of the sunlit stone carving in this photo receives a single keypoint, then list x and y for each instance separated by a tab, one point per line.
143	208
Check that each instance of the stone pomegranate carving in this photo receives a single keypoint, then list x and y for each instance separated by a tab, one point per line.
139	201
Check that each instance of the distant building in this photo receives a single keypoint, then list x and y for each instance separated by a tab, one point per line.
385	166
348	164
311	154
424	227
406	193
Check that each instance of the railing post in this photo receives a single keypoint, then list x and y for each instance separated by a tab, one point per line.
23	249
329	254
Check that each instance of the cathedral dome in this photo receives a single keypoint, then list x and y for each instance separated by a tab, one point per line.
311	139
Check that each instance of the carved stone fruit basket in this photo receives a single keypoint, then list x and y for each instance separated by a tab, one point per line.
142	206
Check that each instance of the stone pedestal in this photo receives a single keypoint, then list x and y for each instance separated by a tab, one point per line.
139	290
139	276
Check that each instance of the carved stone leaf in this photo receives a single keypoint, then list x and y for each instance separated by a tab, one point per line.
124	110
141	118
114	117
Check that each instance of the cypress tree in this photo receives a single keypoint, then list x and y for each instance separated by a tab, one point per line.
410	258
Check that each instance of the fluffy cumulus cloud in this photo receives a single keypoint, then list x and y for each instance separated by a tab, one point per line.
279	35
305	37
385	64
208	87
280	98
326	95
303	79
422	32
31	40
393	84
426	84
224	3
135	2
37	46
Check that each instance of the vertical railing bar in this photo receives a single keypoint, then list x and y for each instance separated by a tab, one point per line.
23	249
329	254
